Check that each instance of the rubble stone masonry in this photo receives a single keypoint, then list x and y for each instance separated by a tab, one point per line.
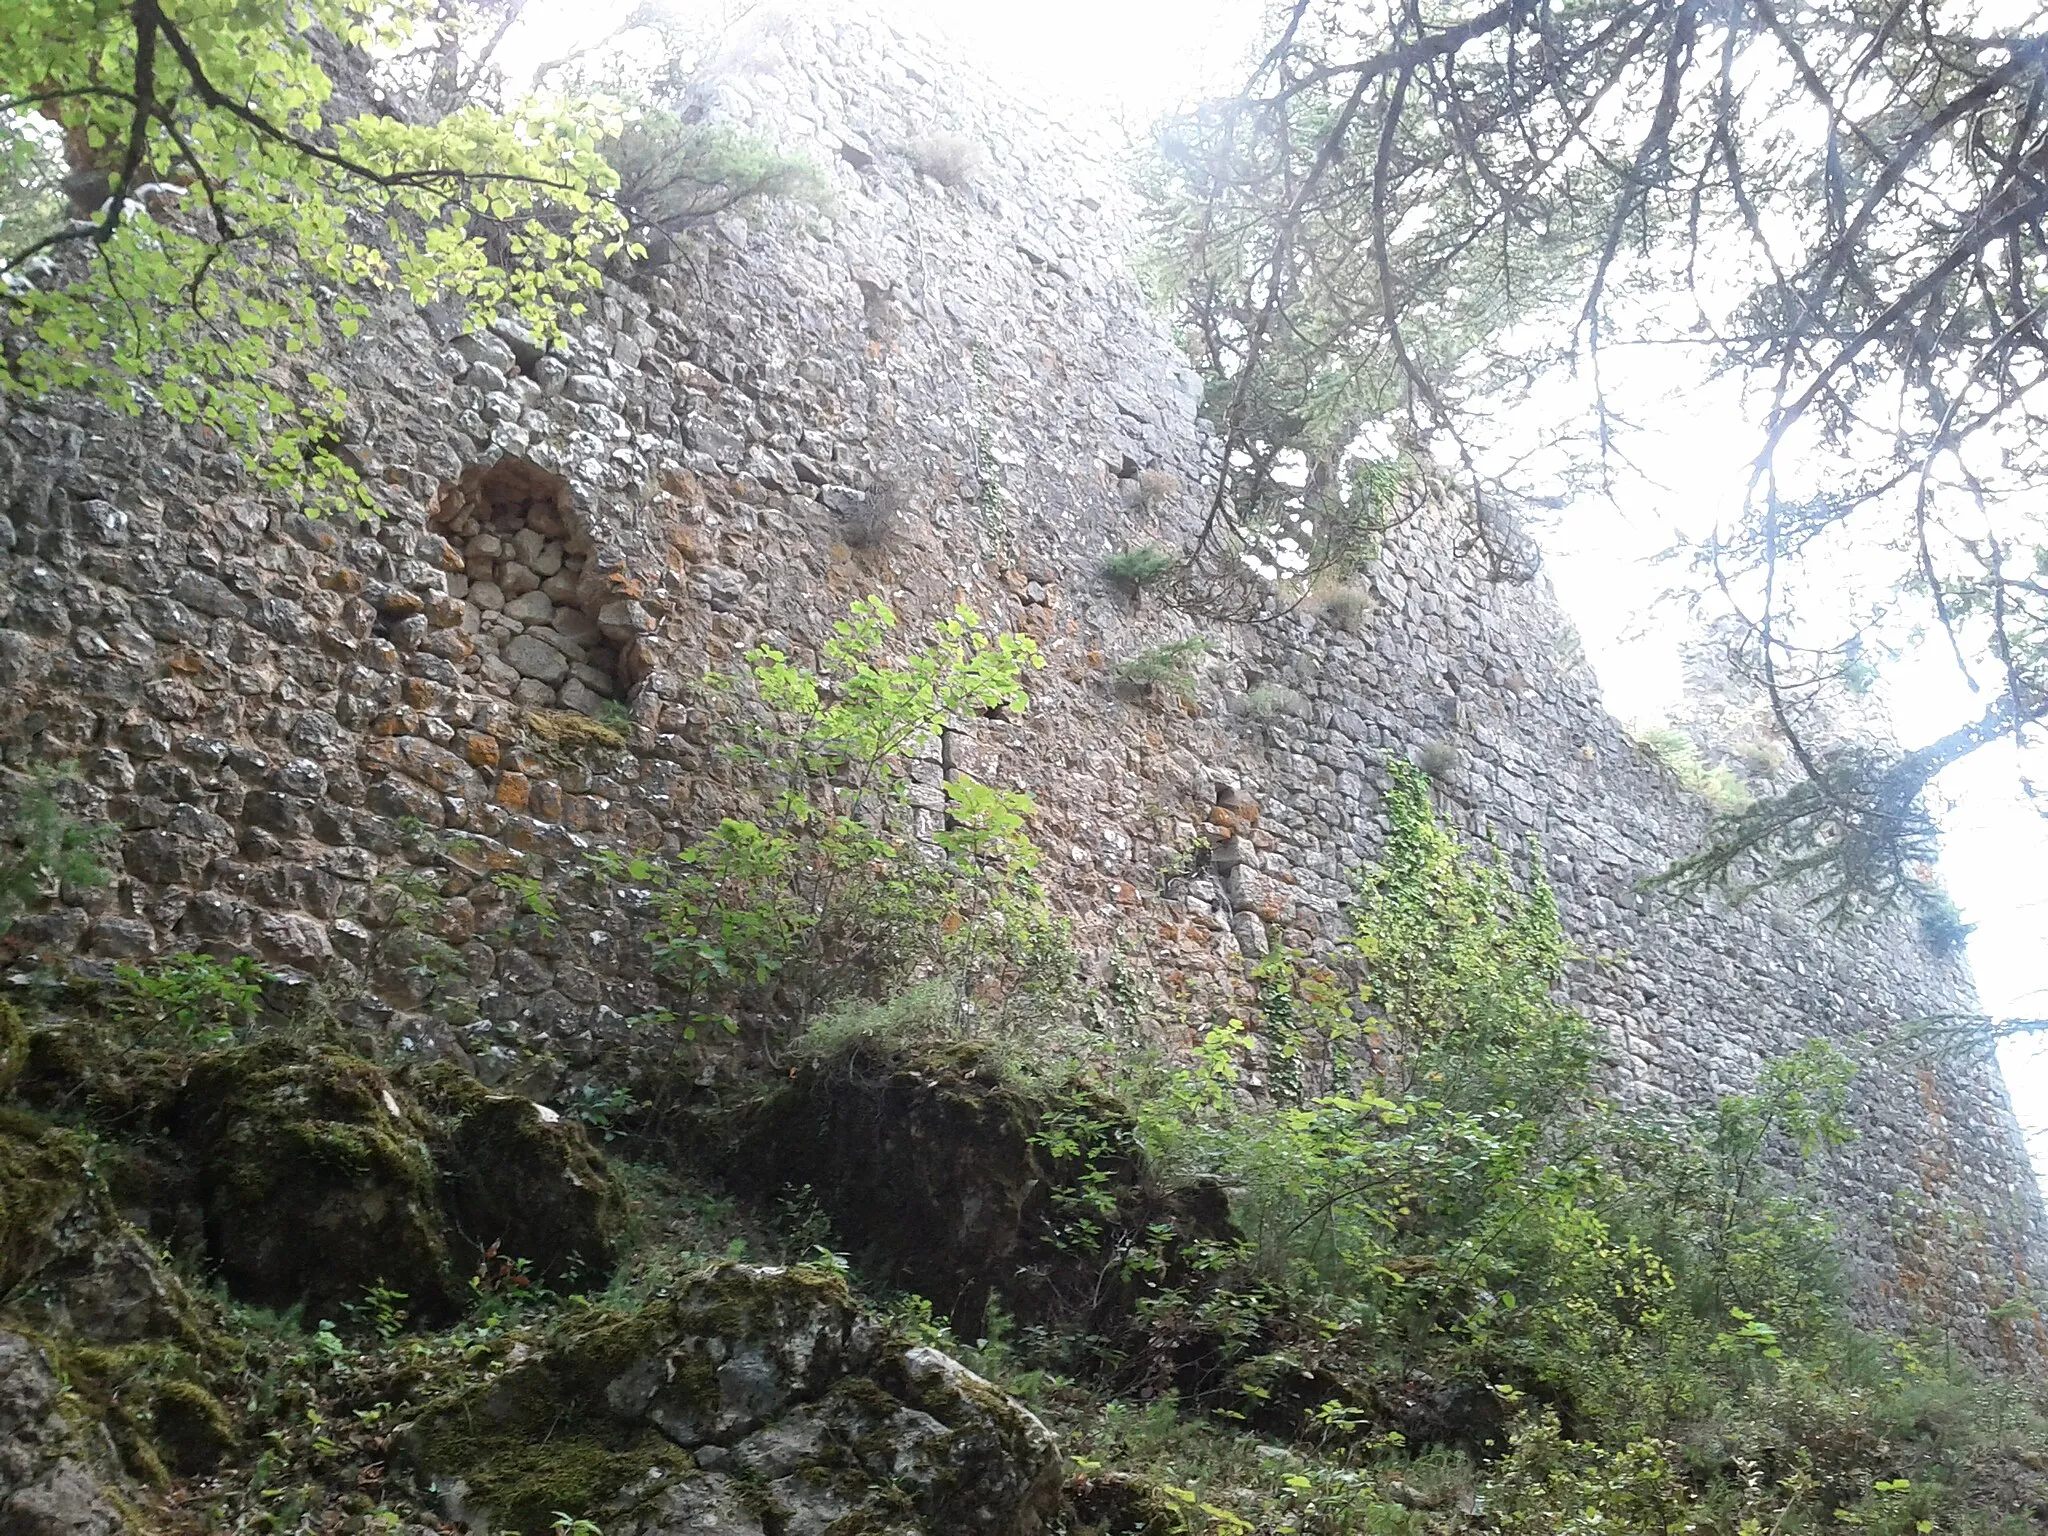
936	393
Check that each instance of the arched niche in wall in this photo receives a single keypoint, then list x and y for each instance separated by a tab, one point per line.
531	609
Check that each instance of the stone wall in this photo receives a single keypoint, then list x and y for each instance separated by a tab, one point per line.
321	740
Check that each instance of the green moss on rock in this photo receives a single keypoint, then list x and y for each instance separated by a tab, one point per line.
89	1069
813	1414
315	1180
13	1045
46	1196
521	1181
548	1435
193	1429
309	1176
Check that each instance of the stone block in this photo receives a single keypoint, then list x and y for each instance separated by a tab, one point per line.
535	658
512	791
577	695
291	939
531	608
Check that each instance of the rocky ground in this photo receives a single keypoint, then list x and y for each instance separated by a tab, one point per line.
261	1283
273	1285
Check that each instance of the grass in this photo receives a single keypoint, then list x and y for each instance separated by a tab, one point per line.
1721	788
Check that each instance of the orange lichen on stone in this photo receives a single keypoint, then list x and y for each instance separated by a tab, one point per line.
512	791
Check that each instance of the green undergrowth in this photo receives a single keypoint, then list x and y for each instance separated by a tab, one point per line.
1458	1289
1469	1292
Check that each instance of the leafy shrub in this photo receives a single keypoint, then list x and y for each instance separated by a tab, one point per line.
1139	568
1471	1285
44	848
1441	1175
831	890
950	159
1170	665
196	997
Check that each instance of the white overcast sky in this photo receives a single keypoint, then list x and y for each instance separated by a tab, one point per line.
1125	62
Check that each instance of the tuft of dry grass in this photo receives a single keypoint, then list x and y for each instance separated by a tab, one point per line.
1343	607
950	159
566	729
880	521
1158	489
1436	758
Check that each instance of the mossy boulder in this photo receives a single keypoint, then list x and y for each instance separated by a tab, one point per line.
192	1427
58	1472
520	1182
945	1176
316	1181
758	1400
86	1068
321	1177
13	1045
47	1200
104	1356
306	1176
67	1260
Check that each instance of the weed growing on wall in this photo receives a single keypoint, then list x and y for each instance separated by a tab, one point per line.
845	881
1141	567
43	847
193	999
1171	665
1719	787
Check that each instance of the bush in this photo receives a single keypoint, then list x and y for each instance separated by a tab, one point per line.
950	159
1472	1285
44	848
1440	1172
1139	568
195	997
831	892
1170	665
